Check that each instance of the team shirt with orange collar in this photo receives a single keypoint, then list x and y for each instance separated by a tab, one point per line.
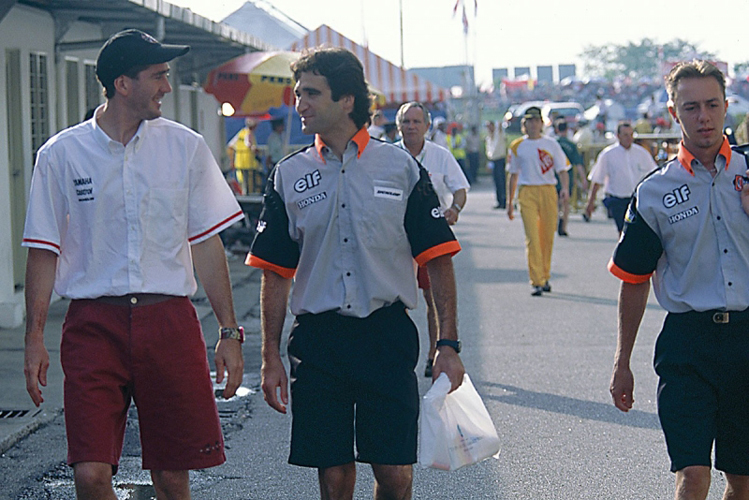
689	232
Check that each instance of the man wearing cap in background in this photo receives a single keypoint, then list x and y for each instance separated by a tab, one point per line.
534	159
120	207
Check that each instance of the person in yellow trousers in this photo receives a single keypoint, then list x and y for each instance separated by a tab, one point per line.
534	159
242	149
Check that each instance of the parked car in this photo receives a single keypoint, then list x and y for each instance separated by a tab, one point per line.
515	114
571	111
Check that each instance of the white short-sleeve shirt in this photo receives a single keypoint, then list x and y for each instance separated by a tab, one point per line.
122	218
444	172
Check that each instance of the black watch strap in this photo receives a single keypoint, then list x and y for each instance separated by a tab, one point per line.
455	344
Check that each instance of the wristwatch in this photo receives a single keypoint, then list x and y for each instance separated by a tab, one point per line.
455	344
231	333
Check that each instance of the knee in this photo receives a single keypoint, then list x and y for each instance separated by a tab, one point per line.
92	479
171	484
393	481
737	485
692	481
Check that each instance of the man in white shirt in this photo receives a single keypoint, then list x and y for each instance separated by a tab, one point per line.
120	208
449	182
619	168
496	155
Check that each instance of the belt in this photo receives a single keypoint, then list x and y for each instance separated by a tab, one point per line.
718	317
134	299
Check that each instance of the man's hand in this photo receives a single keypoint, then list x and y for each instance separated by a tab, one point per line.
451	215
36	363
228	357
449	362
275	381
622	388
510	211
745	196
564	195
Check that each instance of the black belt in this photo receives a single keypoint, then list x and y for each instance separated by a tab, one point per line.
717	317
134	299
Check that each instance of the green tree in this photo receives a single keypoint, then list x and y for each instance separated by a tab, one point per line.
637	59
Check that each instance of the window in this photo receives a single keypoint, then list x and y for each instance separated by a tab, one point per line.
39	83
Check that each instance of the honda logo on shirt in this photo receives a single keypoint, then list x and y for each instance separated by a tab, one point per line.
307	182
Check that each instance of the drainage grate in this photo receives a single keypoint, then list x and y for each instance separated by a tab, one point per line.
13	413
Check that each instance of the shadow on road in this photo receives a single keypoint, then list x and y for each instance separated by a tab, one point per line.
588	410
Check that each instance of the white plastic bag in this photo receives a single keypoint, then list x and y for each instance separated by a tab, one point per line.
456	430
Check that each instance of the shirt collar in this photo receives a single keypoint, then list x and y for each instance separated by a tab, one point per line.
361	139
686	158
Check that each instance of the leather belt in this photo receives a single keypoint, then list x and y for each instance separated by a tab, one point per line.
717	317
134	299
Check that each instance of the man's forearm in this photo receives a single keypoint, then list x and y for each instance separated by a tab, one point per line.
41	266
442	276
213	271
274	296
633	299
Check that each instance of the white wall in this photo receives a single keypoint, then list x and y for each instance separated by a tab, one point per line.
29	30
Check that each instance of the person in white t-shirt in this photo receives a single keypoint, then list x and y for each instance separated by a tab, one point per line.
534	159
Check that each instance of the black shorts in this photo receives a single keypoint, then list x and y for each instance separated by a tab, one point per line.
353	381
702	392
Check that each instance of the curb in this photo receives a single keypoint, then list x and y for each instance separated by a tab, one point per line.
38	420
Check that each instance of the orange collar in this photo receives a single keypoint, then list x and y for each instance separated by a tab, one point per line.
361	139
685	157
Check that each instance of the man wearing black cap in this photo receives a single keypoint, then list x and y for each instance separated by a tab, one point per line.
120	207
534	159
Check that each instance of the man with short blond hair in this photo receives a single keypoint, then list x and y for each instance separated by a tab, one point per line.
687	227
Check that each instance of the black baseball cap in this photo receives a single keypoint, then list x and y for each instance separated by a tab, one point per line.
127	49
532	112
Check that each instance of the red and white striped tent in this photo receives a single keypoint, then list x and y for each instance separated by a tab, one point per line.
398	85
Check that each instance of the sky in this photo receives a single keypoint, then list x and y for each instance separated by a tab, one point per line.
505	34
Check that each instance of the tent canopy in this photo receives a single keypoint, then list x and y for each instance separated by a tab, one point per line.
397	84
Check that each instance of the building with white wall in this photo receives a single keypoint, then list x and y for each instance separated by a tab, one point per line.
48	50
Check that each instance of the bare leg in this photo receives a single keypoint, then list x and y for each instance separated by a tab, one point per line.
692	483
737	487
337	483
171	484
93	481
393	482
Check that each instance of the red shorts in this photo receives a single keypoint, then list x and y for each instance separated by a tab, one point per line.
154	354
422	277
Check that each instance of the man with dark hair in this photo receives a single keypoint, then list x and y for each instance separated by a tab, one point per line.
121	207
619	168
688	227
348	217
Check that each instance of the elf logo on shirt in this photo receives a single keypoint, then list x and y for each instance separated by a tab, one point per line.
307	182
677	196
547	161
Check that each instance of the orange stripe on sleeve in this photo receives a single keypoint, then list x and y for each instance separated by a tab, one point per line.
284	272
623	275
447	248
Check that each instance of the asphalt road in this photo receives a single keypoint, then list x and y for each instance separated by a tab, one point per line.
541	364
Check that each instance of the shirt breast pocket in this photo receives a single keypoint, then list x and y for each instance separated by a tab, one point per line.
167	218
383	220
